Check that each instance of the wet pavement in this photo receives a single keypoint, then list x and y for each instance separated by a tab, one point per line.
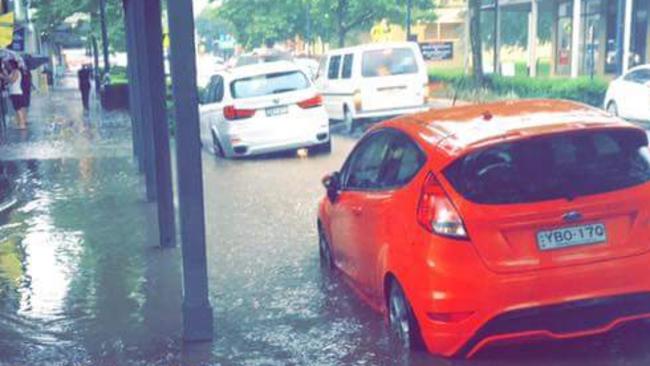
82	282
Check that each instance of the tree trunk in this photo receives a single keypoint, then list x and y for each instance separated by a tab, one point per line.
341	34
475	39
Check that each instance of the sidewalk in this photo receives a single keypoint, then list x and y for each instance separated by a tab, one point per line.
81	282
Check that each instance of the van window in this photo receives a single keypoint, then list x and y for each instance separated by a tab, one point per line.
389	61
553	167
346	72
334	67
275	83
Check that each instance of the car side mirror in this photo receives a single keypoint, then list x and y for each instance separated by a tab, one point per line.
332	183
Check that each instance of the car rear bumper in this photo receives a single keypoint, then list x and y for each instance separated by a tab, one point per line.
559	303
244	147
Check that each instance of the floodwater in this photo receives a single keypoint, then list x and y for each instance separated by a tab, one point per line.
82	282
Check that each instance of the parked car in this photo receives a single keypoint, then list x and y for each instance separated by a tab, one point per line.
263	108
494	223
375	80
629	95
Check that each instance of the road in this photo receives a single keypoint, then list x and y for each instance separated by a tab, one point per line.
81	282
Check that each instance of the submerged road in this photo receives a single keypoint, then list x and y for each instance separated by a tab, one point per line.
81	282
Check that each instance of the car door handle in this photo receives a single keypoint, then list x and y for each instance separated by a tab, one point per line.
357	210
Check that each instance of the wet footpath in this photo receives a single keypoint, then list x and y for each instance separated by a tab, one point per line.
82	281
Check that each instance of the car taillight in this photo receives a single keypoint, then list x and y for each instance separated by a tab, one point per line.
436	213
232	113
315	101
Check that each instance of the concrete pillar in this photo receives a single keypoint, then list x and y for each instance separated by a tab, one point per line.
148	149
532	38
575	38
197	311
156	109
627	34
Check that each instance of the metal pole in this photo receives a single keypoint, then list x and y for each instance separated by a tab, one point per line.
532	38
102	21
627	34
96	65
197	311
409	6
134	92
497	37
620	20
575	38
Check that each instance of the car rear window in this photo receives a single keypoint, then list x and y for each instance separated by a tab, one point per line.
276	83
553	167
389	61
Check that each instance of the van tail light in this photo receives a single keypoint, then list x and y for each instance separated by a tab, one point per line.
358	106
232	113
426	93
436	213
315	101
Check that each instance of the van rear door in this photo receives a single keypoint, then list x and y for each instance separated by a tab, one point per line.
393	77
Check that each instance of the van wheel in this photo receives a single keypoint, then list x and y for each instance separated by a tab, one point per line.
403	325
612	108
216	146
348	121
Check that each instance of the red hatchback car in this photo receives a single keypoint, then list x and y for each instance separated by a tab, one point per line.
494	223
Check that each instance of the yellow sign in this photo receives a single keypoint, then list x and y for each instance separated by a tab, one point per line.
6	29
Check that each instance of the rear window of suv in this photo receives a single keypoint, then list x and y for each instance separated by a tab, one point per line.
553	167
267	84
389	61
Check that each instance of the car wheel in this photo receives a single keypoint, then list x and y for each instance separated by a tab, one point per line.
216	146
403	324
326	259
348	121
324	148
612	108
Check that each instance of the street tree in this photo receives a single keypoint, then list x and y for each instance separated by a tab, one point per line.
255	21
210	27
51	16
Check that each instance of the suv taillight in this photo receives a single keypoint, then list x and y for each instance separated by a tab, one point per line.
232	113
436	213
315	101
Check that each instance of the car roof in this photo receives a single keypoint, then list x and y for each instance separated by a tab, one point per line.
372	46
457	130
262	68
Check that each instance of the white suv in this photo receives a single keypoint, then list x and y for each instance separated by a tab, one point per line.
373	81
263	108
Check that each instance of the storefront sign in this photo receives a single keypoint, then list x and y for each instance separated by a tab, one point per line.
437	51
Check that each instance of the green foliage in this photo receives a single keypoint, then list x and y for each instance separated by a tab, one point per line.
256	21
582	89
210	26
51	15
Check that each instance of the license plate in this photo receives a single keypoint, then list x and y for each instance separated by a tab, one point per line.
571	236
276	111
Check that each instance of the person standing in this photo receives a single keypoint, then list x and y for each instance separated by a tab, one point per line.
84	76
14	78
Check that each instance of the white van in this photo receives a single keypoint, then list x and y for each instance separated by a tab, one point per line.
375	80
